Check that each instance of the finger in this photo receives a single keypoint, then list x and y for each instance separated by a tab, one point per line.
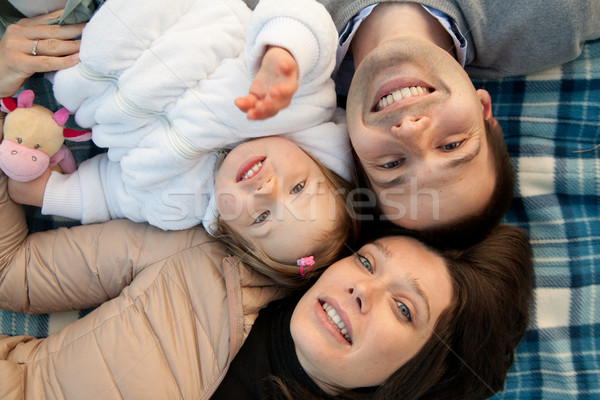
61	32
41	19
265	109
242	104
245	103
39	63
52	47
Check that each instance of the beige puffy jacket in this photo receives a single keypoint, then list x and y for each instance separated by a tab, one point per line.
174	310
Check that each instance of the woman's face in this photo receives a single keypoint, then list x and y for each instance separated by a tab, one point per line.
382	304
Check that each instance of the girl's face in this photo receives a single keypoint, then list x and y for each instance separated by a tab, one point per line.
382	304
273	194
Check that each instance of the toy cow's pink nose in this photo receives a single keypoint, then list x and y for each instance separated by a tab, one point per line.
22	163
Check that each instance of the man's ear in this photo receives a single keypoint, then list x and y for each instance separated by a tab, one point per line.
486	103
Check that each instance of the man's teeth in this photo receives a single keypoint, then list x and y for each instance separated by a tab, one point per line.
336	320
400	94
250	173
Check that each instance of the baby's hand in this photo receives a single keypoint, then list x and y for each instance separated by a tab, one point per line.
30	193
273	87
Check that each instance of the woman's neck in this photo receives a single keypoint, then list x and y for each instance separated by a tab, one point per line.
389	20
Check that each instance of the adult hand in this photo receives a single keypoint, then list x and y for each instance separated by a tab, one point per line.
53	45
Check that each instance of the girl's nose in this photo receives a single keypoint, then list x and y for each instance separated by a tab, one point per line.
268	188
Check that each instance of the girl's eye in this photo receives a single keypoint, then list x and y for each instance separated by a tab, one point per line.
262	217
365	262
392	164
404	310
451	146
298	188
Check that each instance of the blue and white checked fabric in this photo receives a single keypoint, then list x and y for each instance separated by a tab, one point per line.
551	122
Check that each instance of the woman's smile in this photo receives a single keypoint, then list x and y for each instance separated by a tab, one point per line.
330	315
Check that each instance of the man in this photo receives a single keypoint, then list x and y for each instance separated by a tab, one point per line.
425	137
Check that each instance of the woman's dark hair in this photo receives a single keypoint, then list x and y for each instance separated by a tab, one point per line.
473	342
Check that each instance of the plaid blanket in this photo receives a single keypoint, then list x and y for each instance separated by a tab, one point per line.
551	121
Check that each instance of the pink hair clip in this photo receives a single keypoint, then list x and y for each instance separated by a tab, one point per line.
305	262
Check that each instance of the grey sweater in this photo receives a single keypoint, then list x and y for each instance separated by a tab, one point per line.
505	37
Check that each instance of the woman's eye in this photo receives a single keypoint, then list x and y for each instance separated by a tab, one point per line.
392	164
404	310
452	146
365	262
298	188
262	217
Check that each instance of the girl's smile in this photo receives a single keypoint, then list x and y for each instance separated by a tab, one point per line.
272	193
250	168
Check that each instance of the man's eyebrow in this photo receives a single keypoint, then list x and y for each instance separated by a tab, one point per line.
412	283
397	181
465	158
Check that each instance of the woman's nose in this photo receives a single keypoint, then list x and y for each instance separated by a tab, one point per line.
365	293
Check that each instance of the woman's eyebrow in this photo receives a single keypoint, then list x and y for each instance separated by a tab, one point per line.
414	285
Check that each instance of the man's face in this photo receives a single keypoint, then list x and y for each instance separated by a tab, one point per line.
416	123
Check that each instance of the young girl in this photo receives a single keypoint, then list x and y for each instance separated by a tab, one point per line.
396	319
162	103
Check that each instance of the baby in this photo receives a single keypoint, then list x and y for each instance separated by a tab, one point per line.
162	102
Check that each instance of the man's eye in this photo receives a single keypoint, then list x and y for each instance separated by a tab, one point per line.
392	164
298	188
404	310
365	262
451	146
262	217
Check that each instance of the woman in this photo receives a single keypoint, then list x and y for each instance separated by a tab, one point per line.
181	309
412	323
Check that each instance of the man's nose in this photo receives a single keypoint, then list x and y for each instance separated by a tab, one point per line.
412	131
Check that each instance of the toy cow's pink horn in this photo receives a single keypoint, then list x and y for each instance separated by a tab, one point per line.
25	99
61	116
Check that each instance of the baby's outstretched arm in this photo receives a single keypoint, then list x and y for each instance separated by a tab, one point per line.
273	86
29	193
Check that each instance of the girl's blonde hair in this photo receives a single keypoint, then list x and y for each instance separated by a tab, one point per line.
332	244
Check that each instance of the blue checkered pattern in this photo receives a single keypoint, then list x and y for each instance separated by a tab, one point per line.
552	127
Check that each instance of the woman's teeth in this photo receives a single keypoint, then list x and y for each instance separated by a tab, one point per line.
399	94
253	170
336	320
